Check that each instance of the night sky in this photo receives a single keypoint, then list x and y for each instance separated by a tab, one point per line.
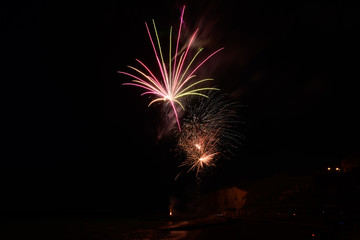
76	140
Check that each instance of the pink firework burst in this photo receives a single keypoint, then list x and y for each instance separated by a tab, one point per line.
177	77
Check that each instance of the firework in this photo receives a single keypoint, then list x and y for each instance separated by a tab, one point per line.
210	131
177	78
200	149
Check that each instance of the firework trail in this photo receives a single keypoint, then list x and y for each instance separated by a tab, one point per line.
177	76
210	131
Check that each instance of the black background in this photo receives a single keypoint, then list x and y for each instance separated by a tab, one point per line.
76	140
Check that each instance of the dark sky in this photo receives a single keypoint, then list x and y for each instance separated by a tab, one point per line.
75	139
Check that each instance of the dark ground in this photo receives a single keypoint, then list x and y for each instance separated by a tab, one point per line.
111	228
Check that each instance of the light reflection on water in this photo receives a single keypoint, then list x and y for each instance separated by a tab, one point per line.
161	234
174	229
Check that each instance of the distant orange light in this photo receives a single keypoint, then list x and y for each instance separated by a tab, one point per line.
329	168
170	213
337	169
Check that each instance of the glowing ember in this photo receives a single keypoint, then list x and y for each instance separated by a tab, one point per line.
199	156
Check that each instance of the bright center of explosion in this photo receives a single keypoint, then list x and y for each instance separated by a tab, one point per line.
168	97
206	158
